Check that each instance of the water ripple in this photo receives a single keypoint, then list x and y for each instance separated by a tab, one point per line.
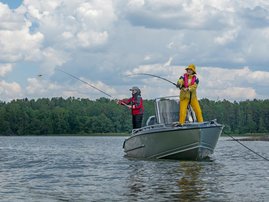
95	169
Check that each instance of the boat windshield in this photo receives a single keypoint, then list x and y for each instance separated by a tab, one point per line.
167	110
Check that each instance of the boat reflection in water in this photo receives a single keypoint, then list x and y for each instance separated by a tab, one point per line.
164	138
191	187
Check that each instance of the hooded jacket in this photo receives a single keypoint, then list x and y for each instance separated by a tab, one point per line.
136	102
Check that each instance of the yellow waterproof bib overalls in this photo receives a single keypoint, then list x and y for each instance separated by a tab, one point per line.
188	96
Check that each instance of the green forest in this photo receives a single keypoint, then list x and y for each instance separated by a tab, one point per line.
78	116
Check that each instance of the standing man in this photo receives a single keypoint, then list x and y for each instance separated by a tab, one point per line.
135	103
188	84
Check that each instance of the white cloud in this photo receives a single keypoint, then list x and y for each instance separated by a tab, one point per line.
232	84
231	77
16	42
180	14
98	14
232	93
90	39
10	90
9	19
102	39
136	3
5	68
215	83
38	9
42	87
19	45
75	22
226	37
51	59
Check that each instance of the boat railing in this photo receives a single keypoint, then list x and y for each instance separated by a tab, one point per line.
150	127
175	125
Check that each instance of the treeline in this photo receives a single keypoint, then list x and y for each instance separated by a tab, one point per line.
65	116
239	117
83	116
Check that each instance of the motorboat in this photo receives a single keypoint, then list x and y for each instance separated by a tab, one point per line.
164	138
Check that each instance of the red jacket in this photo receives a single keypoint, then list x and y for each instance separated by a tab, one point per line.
137	104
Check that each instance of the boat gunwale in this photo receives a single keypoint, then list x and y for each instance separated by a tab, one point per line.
173	129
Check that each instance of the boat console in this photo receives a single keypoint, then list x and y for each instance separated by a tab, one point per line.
167	111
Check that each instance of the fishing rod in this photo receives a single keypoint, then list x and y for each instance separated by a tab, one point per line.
90	85
247	147
85	82
159	77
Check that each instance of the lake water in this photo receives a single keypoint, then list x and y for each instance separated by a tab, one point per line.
95	169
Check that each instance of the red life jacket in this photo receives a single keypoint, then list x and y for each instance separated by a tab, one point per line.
186	80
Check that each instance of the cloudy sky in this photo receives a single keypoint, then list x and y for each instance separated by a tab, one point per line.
103	41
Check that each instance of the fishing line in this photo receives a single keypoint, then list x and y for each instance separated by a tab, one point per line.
90	85
248	148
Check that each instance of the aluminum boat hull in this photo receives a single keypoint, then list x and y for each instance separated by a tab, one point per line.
193	141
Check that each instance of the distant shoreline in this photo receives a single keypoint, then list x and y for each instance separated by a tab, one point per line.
72	135
243	137
250	136
253	138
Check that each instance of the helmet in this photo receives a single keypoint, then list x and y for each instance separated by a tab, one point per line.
192	67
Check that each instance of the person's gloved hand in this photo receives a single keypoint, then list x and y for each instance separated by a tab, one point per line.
178	85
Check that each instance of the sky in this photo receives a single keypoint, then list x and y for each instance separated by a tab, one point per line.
104	42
